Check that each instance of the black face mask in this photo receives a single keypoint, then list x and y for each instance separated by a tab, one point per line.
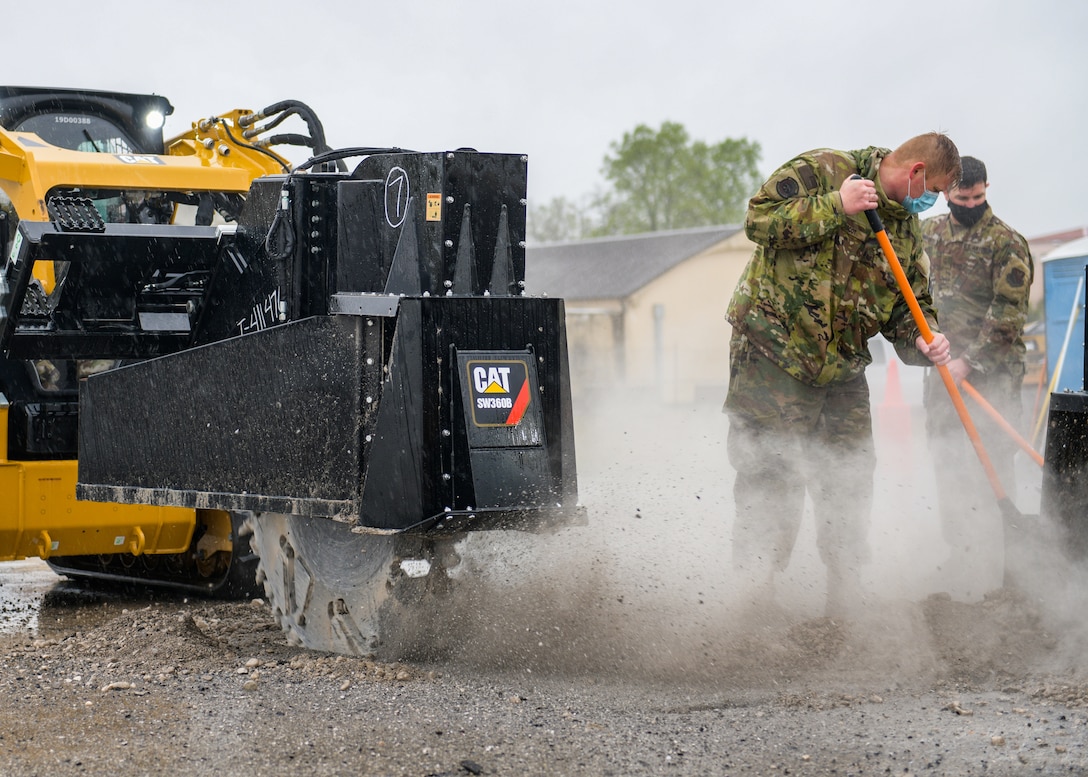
968	216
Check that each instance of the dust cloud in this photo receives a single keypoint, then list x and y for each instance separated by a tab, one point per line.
647	588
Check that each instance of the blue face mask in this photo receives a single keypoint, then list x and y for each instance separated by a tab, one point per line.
919	204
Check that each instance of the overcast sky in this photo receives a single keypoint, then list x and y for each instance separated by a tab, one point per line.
561	80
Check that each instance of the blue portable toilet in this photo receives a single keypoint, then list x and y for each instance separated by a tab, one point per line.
1063	272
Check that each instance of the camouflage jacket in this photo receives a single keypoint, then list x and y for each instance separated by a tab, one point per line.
818	285
982	277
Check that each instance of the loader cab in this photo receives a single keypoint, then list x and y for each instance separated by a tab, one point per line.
123	125
104	122
94	122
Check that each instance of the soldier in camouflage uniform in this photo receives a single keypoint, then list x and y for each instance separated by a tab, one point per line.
981	278
816	289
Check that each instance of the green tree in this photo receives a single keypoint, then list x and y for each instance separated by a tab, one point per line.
663	180
559	219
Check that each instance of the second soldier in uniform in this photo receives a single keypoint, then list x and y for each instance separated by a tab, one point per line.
981	271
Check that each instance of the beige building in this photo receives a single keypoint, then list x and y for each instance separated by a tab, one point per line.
646	312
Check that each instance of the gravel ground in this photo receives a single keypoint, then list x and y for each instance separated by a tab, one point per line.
118	683
621	648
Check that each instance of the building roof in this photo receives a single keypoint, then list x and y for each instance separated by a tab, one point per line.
1042	245
1070	250
613	267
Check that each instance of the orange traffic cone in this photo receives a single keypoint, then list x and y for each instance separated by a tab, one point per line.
894	421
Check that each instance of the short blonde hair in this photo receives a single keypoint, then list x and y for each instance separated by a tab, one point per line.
936	150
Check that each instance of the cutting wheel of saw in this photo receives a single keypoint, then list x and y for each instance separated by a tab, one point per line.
336	590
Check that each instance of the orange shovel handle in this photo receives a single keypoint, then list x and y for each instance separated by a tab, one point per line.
927	335
1000	421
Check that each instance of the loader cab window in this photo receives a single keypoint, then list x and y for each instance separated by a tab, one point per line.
80	132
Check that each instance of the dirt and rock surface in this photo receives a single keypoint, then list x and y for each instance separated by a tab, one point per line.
620	648
123	684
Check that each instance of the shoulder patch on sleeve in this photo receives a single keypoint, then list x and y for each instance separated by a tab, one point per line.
787	188
808	178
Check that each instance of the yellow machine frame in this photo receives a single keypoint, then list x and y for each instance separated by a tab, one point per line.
40	516
39	512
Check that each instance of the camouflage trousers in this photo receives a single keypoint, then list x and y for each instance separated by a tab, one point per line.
787	438
968	506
